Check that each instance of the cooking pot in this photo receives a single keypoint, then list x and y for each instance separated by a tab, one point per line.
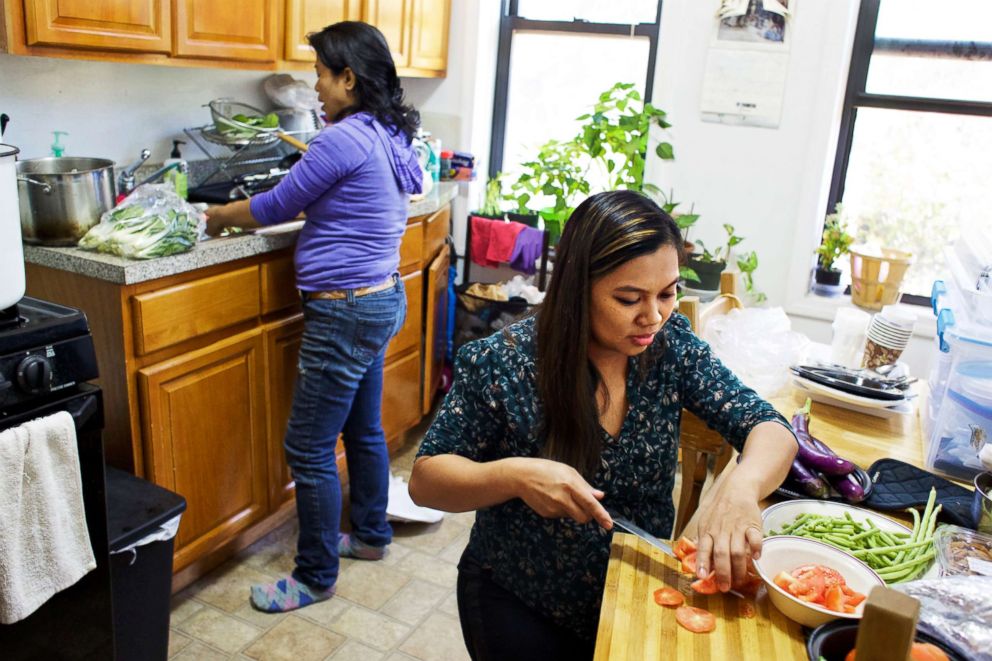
11	255
61	198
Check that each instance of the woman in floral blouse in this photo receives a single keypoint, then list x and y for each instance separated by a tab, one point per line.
574	413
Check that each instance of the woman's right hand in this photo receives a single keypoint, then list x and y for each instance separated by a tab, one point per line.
555	490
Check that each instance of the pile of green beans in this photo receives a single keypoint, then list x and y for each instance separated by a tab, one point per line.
896	557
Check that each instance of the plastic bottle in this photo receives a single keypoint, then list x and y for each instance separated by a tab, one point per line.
178	175
57	147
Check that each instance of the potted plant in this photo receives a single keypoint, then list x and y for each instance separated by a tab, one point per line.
708	265
834	244
554	174
491	202
747	265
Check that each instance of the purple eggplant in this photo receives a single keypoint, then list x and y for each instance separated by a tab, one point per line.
811	455
848	487
809	481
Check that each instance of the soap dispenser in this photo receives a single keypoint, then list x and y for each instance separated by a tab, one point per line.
178	175
57	147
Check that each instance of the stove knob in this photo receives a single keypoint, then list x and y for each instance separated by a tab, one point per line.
34	375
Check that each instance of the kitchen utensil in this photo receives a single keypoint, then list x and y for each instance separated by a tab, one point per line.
982	506
833	640
842	396
888	625
632	627
852	384
630	527
785	553
11	254
883	412
223	111
62	198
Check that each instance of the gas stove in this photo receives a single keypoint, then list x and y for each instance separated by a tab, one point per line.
44	348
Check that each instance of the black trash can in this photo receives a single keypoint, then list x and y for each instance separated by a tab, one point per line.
140	578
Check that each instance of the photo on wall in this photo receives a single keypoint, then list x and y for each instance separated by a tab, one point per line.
753	21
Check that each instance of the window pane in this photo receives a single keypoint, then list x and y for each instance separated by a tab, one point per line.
947	20
625	12
930	77
913	180
555	77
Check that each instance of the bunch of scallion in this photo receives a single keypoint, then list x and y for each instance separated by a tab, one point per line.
895	556
136	232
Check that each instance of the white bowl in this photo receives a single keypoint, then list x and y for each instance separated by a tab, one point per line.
778	516
785	553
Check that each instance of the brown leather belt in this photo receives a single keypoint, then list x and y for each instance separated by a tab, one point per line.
338	294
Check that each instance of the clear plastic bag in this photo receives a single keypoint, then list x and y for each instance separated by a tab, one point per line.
153	221
956	610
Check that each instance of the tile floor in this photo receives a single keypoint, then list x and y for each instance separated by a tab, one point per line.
400	609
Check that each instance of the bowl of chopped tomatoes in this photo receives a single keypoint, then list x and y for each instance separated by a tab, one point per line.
812	582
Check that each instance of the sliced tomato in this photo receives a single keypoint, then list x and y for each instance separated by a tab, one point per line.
747	609
695	619
851	610
683	547
853	599
706	585
786	581
666	596
850	655
830	576
809	588
927	652
833	599
689	564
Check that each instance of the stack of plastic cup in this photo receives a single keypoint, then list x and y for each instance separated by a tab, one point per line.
888	335
848	344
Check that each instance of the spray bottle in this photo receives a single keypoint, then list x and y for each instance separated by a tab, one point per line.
177	175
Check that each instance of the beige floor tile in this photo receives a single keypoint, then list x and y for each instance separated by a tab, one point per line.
219	630
200	652
430	538
183	607
466	519
450	605
229	587
373	629
177	642
258	618
295	639
370	584
325	612
355	651
399	656
414	601
395	552
453	552
439	638
429	568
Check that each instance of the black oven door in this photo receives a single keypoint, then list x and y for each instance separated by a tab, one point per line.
76	623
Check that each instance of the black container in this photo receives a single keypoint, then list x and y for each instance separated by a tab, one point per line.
709	274
141	578
827	276
834	640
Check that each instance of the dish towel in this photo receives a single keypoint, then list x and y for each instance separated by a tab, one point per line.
527	250
482	231
503	241
44	544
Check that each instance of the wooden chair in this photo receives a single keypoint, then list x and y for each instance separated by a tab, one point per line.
697	442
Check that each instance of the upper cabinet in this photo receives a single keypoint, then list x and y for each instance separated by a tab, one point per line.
135	25
259	34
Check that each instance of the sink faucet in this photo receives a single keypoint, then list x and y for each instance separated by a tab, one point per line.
125	180
178	165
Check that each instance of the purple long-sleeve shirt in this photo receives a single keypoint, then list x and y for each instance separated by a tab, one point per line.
354	185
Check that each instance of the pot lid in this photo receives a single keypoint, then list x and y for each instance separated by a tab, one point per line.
8	150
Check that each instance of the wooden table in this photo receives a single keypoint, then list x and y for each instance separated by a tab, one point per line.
629	618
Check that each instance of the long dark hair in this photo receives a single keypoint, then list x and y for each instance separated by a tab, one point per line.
362	48
604	232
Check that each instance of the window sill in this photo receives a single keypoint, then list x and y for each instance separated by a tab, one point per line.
825	308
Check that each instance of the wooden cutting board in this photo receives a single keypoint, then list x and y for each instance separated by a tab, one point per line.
633	627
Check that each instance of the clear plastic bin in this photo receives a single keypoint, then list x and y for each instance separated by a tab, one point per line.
963	552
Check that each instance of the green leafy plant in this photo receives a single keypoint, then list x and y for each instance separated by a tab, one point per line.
720	253
747	264
555	173
491	202
835	242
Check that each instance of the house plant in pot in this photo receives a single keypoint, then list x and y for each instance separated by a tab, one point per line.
709	264
834	243
491	202
555	175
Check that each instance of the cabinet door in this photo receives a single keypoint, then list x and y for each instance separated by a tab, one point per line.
203	418
400	397
436	330
392	17
409	335
135	25
246	30
429	36
306	16
282	348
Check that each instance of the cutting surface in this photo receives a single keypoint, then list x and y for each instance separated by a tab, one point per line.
633	627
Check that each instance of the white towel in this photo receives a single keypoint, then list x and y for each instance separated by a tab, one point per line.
44	544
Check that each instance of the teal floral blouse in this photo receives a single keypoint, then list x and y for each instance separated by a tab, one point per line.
557	566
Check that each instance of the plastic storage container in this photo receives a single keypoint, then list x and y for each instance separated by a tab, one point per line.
963	552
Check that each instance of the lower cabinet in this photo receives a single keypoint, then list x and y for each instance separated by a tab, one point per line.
435	326
282	346
204	418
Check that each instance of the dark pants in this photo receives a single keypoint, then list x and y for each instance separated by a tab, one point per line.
497	626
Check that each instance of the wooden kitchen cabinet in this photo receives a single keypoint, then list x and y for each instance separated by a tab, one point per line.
282	348
244	31
306	16
130	25
203	416
429	34
393	18
436	325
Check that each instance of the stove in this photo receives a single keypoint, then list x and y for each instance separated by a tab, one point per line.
239	188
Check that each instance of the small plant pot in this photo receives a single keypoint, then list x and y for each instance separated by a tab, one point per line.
709	274
528	219
829	277
490	216
553	224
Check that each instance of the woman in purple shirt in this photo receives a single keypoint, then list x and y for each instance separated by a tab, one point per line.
353	186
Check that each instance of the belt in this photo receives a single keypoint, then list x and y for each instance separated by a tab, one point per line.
338	294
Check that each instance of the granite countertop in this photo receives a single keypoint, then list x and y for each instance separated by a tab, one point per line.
207	253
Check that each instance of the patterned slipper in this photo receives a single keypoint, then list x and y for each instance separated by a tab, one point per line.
352	547
286	594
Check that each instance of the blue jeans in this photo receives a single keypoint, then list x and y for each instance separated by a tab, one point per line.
339	390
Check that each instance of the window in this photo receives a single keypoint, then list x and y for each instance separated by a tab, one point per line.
913	159
555	58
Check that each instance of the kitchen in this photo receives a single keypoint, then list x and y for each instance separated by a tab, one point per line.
156	324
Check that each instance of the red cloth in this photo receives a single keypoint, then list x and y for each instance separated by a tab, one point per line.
481	235
503	240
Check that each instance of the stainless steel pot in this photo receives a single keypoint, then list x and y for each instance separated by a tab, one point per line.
61	198
11	256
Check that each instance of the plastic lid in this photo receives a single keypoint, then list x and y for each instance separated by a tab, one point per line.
8	150
447	153
954	323
963	552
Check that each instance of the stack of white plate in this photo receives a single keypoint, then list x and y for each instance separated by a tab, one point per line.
880	408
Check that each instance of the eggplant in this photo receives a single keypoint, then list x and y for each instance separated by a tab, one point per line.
809	481
848	487
811	455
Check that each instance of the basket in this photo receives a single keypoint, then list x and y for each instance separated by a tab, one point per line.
477	317
875	279
222	110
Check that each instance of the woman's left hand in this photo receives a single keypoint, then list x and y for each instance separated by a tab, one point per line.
216	219
729	532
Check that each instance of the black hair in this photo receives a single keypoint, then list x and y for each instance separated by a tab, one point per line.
362	48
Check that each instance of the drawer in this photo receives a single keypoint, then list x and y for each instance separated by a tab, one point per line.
437	228
401	395
278	283
412	246
179	313
409	335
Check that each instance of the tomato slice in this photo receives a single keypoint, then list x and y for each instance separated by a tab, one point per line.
683	547
786	581
853	599
927	652
747	609
833	599
706	585
689	563
666	596
810	587
695	619
830	576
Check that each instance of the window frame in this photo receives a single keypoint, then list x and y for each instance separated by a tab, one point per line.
856	95
511	21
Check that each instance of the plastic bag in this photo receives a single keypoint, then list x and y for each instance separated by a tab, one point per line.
287	92
153	221
758	345
956	610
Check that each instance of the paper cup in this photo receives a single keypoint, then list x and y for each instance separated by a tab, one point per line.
877	354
